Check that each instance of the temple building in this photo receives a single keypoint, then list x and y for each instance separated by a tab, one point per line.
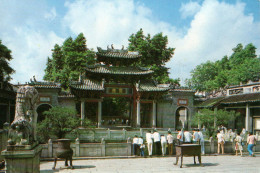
117	92
243	98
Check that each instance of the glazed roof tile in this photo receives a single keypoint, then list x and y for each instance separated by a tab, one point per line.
150	86
45	84
182	89
118	70
210	102
65	94
242	98
117	53
88	84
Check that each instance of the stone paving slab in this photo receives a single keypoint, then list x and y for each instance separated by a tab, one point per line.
221	163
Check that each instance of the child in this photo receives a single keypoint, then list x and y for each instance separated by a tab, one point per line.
142	146
238	146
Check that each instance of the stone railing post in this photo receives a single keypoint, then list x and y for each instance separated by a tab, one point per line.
50	148
212	145
103	147
77	147
141	132
124	134
129	146
108	133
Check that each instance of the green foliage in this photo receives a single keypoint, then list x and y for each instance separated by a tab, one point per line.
154	53
207	117
58	122
69	60
5	69
243	65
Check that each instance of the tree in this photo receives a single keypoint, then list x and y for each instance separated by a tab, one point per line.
208	117
58	122
69	60
243	65
5	69
154	53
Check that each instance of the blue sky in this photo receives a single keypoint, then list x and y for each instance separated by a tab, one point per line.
199	30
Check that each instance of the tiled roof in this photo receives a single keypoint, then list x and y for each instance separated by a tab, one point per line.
88	84
244	85
242	98
182	89
117	53
64	94
149	86
118	70
45	84
210	102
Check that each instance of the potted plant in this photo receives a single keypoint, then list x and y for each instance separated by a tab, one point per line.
58	122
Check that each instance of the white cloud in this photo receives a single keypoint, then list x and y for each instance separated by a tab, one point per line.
26	34
215	30
106	22
189	9
51	14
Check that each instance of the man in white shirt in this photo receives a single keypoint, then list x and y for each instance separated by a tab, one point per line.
187	136
135	144
170	143
163	143
149	140
180	136
157	142
221	142
195	136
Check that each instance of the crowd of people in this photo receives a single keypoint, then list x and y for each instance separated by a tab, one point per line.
244	138
159	144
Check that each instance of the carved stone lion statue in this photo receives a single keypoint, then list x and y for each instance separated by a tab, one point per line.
23	128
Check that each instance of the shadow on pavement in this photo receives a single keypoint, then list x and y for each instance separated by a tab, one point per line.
75	168
203	165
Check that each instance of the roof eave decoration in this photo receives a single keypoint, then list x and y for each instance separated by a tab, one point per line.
88	84
117	53
45	84
150	87
101	69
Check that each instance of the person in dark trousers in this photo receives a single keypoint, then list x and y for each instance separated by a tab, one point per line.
135	145
157	142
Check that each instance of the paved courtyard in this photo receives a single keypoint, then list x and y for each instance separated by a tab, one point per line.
225	163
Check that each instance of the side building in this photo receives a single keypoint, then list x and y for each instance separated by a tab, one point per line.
243	98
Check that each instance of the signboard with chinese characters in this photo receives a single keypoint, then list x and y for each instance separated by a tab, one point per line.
182	102
45	99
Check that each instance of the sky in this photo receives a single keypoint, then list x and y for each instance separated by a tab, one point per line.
199	30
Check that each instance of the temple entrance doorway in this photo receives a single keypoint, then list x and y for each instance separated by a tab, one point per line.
181	120
146	115
116	111
41	109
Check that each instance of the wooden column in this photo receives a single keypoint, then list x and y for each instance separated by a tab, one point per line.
82	108
138	116
99	113
154	114
247	117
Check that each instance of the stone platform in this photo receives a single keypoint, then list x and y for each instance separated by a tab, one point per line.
221	164
22	161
